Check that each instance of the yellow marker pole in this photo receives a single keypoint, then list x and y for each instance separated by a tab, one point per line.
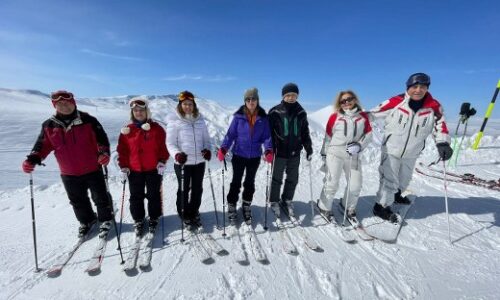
475	146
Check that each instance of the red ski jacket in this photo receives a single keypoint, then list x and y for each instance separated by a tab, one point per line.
140	150
76	145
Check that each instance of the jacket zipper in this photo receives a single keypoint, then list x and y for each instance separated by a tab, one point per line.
194	141
409	133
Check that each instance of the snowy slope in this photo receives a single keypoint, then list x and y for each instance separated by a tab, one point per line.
421	265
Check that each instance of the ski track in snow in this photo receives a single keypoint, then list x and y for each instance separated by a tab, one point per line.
422	264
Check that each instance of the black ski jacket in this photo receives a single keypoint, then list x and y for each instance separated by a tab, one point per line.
289	130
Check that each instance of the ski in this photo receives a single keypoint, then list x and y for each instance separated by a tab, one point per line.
362	234
255	245
94	265
131	260
466	178
346	233
204	254
286	242
146	252
237	248
299	229
384	230
211	243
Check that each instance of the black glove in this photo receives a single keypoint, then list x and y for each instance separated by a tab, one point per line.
444	150
181	158
207	154
34	159
309	153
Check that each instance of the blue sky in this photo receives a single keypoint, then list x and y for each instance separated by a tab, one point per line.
219	48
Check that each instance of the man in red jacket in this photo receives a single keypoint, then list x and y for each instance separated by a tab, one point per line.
81	147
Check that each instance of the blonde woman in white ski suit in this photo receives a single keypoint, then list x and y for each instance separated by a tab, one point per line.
348	132
409	119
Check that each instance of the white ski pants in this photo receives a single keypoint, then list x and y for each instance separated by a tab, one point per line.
336	163
395	173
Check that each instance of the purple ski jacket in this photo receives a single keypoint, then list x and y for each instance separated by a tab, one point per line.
248	144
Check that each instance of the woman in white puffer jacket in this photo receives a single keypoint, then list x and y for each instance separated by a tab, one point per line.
348	131
188	142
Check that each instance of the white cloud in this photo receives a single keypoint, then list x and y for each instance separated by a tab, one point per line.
186	77
115	39
102	54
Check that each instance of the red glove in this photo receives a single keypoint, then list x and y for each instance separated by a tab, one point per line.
207	155
181	158
103	159
268	156
221	154
28	167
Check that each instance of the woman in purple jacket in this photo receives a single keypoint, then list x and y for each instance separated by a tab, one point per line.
248	132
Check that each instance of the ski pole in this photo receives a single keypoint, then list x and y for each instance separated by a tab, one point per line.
269	184
105	171
121	209
348	189
446	200
311	189
475	146
182	203
223	201
162	216
267	197
33	222
213	196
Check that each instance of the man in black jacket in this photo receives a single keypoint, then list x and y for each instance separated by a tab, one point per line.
290	133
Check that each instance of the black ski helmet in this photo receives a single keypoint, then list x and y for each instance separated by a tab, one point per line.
418	78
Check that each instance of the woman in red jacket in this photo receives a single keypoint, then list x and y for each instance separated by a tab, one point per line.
142	154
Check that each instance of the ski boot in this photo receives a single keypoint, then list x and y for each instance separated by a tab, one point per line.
139	228
231	213
84	229
104	228
325	212
385	213
152	224
247	211
401	200
275	206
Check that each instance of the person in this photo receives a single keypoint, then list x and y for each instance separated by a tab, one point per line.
81	147
248	132
409	119
142	155
290	133
348	132
189	142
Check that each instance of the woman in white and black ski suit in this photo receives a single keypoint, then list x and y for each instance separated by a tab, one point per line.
348	132
189	143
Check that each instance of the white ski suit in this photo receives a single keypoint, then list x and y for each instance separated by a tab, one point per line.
405	132
344	128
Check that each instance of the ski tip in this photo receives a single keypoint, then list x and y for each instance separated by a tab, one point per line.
53	273
208	261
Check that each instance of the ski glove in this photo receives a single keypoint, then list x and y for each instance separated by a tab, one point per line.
124	175
181	158
444	150
207	154
30	162
323	166
161	168
221	154
268	156
103	159
353	148
309	153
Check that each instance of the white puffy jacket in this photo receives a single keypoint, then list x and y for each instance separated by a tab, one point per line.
344	128
188	135
405	130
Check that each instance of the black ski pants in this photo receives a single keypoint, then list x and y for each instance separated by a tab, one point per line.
291	167
190	200
77	189
145	185
240	164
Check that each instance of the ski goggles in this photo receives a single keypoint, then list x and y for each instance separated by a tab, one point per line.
186	95
251	99
61	95
347	100
418	78
138	103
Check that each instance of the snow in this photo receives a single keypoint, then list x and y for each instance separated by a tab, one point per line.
420	265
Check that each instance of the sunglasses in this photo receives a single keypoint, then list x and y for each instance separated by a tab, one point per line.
347	100
138	103
248	99
185	96
418	78
61	96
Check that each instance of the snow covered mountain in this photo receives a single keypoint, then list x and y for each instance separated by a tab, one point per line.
421	265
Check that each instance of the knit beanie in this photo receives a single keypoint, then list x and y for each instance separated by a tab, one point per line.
251	93
289	88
